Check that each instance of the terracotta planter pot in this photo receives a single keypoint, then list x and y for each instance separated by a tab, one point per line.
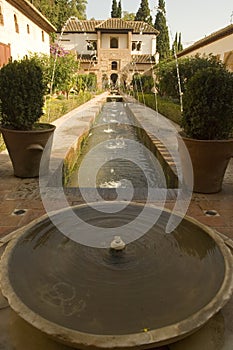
25	149
209	160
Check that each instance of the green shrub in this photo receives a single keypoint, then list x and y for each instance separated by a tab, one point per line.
208	105
166	73
60	97
86	82
142	83
56	108
170	110
21	94
166	107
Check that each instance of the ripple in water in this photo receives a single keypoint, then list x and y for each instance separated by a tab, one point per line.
118	143
109	131
114	184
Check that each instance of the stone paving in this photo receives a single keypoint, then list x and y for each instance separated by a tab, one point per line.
20	203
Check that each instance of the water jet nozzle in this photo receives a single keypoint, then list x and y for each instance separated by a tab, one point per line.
117	243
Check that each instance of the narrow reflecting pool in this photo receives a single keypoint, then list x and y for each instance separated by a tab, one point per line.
115	151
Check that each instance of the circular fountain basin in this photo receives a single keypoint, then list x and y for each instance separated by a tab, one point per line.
158	289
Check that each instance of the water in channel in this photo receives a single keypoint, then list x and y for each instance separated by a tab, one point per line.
113	155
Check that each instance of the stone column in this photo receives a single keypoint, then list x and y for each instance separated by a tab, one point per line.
98	42
129	40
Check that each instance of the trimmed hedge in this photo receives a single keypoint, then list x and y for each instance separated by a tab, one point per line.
166	107
208	105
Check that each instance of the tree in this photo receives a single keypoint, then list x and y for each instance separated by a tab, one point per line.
114	13
86	82
58	11
128	16
163	44
143	13
62	14
60	69
166	73
175	45
142	83
67	72
119	10
180	46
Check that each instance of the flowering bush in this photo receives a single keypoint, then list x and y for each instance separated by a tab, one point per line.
58	51
59	69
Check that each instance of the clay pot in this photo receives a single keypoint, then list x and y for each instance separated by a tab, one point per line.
25	149
209	160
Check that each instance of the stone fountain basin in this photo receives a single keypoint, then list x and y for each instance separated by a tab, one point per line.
160	288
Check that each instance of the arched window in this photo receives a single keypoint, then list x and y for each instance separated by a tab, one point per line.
28	29
42	35
16	24
136	45
114	65
114	43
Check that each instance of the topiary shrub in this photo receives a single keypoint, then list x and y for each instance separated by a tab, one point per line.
208	105
21	94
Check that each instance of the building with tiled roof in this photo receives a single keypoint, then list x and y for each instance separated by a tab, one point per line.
113	49
23	30
219	43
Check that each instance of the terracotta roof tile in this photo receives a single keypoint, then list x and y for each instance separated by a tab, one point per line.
143	59
142	27
91	26
83	26
114	23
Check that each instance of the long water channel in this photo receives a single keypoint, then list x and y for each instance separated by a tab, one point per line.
114	156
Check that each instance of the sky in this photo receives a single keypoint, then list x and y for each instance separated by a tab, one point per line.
195	19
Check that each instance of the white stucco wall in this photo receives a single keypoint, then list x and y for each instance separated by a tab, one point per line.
218	47
21	43
77	42
148	44
122	40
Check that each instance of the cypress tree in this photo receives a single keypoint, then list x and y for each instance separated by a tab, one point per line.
175	45
180	46
143	13
163	44
114	13
119	10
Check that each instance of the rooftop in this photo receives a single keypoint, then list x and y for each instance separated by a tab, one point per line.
25	7
219	34
92	26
